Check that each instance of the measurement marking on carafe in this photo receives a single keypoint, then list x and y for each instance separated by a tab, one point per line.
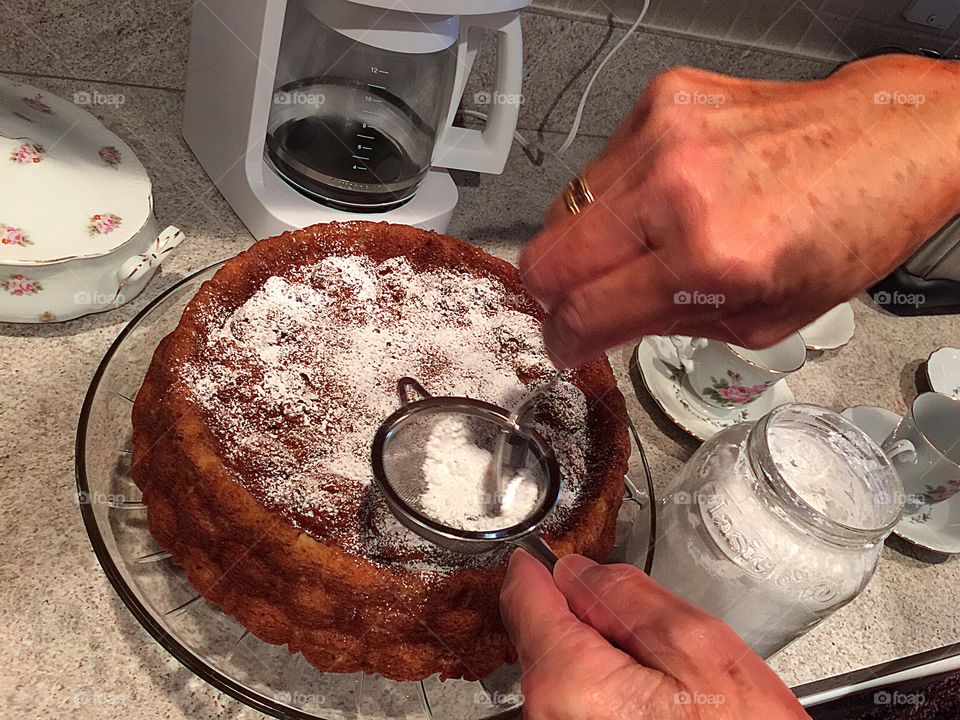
367	137
376	87
359	157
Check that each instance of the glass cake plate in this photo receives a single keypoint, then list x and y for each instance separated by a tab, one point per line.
266	677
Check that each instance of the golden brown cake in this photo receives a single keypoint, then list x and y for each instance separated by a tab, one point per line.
252	433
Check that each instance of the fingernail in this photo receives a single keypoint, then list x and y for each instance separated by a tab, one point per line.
558	363
522	557
544	299
570	567
556	346
535	284
526	271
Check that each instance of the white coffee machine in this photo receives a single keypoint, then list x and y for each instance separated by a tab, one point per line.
305	111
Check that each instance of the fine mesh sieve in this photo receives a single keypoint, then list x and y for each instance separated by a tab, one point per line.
465	474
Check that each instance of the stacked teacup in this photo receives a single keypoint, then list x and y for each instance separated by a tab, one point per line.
925	450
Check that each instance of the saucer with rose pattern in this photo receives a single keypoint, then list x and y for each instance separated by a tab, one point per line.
943	371
666	383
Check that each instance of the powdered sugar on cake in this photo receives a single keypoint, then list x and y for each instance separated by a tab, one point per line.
456	473
295	382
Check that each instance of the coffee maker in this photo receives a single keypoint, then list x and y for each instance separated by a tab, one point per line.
305	111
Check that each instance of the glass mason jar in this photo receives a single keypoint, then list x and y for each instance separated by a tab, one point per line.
774	525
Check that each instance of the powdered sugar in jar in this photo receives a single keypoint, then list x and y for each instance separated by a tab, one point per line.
774	525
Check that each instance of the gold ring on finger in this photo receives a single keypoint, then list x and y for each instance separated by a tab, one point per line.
577	195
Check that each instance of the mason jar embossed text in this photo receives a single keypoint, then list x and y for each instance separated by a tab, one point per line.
772	526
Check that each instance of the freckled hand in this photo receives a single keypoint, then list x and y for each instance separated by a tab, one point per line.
781	199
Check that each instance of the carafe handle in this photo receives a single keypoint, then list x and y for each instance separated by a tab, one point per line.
485	150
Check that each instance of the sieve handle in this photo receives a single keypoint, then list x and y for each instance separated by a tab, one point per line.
536	546
408	389
521	410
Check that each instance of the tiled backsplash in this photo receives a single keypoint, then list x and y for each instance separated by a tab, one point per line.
826	29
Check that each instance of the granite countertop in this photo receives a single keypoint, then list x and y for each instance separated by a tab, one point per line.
69	646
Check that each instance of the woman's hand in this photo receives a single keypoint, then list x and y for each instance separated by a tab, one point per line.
742	210
600	642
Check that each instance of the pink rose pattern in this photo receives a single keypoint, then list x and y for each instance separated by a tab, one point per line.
20	285
28	153
933	494
10	235
730	390
110	155
103	223
38	104
939	493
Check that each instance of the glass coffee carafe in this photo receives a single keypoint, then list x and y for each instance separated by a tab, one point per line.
363	97
356	111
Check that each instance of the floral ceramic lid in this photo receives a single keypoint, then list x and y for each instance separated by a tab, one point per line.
71	188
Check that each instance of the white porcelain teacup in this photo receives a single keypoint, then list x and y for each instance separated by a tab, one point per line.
925	450
727	376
